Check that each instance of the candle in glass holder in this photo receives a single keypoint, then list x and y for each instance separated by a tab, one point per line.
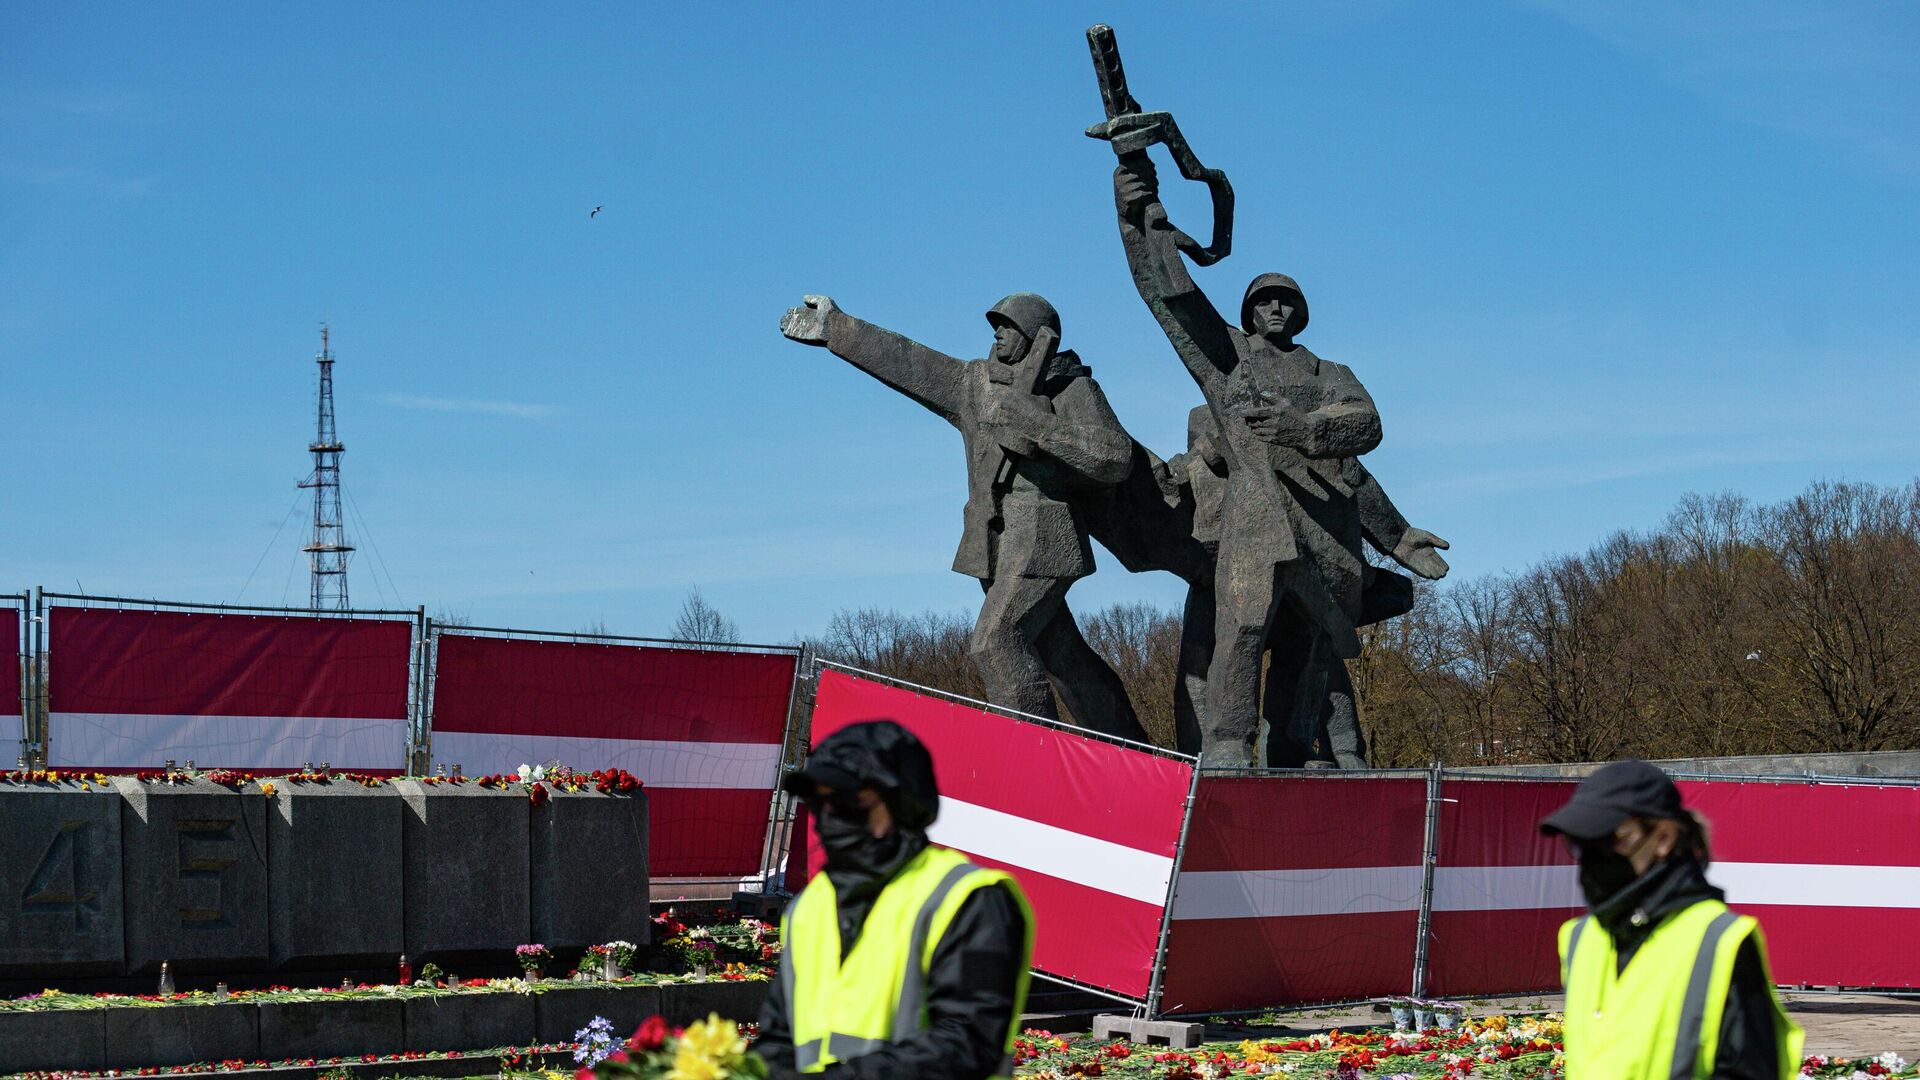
406	971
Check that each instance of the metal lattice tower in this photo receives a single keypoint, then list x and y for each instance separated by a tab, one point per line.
327	551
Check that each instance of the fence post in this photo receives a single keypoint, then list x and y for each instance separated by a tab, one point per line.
419	747
775	844
1429	855
39	710
1173	891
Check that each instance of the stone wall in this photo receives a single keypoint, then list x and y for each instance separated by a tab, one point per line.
114	879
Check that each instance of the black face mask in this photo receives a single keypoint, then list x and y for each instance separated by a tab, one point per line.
1603	873
847	840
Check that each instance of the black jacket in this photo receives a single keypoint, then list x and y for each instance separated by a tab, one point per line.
1749	1042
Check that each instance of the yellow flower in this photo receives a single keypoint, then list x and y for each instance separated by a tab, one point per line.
266	788
707	1049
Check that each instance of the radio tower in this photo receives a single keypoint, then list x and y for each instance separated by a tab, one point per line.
328	550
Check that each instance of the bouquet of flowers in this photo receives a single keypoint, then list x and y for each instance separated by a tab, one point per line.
710	1049
532	957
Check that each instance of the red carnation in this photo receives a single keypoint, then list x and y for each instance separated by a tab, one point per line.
651	1035
538	794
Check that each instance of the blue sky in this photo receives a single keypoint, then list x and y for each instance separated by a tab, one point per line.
1584	262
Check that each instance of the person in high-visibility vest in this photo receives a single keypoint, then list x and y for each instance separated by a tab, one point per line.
1663	981
901	959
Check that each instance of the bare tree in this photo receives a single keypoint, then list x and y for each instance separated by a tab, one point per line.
701	621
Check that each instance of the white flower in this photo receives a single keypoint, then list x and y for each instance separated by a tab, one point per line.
539	772
1892	1061
525	772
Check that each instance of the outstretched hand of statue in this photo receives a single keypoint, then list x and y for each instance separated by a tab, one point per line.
808	324
1416	553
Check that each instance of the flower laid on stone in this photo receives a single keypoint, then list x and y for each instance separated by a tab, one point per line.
593	1043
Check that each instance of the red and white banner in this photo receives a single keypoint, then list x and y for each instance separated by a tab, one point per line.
1088	827
703	728
1500	888
1832	871
12	705
129	688
1296	889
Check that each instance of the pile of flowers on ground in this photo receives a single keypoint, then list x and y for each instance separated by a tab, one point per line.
1888	1064
1497	1046
513	1061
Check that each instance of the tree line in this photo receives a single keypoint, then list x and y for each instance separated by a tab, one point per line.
1732	628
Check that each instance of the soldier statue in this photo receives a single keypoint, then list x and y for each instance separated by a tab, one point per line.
1041	442
1289	569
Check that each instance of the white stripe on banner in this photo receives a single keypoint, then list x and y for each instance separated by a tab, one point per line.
1803	885
119	740
659	763
1266	894
1506	888
1260	894
1051	850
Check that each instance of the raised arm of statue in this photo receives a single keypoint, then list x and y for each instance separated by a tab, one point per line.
1202	338
928	376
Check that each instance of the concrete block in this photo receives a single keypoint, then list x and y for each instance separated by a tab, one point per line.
466	870
473	1021
1176	1034
683	1003
181	1035
60	892
42	1041
343	1027
608	833
563	1011
334	875
193	864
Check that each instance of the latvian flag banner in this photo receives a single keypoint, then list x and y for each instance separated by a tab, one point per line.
12	706
130	688
1088	827
702	728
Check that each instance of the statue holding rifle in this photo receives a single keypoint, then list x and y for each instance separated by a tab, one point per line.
1294	503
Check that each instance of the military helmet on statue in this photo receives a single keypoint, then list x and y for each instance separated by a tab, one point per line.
1026	312
1269	283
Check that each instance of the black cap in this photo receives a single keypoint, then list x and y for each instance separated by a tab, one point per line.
1614	793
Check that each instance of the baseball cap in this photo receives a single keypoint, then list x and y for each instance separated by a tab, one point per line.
1614	793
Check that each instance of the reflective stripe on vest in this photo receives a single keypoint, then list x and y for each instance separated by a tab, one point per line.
848	1003
1693	1010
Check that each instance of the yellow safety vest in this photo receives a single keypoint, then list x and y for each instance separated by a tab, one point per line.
1659	1019
840	1011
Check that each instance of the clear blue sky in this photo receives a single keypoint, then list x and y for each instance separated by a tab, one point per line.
1584	262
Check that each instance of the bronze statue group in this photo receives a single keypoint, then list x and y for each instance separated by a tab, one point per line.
1265	516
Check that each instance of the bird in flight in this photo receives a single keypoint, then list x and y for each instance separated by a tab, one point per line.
595	212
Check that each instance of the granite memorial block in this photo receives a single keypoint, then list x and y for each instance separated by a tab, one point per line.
43	1041
587	827
194	870
563	1010
180	1035
465	869
469	1021
334	870
341	1027
683	1003
60	895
